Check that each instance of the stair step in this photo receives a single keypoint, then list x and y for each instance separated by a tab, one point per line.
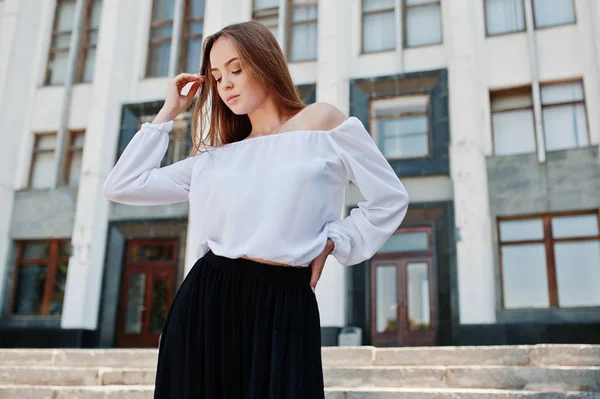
561	378
520	355
146	392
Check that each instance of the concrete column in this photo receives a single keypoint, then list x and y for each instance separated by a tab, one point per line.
113	73
21	22
464	39
332	87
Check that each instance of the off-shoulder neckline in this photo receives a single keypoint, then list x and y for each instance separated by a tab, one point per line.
291	132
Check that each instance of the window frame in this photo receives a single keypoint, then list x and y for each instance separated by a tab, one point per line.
268	11
404	23
555	25
186	37
583	102
512	91
72	149
153	42
373	123
52	50
50	263
485	22
548	242
362	22
85	46
35	152
289	27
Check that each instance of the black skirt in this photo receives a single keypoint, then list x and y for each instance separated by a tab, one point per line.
241	329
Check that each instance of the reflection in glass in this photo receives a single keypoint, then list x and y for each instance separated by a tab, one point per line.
575	226
150	252
58	290
36	250
30	290
136	290
577	273
418	296
524	275
521	230
405	242
160	307
387	298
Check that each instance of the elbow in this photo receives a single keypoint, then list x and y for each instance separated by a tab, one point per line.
109	191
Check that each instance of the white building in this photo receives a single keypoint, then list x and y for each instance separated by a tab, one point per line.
487	110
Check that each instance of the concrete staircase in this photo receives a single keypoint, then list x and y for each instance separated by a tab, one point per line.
539	371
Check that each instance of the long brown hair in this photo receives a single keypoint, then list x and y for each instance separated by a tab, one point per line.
259	51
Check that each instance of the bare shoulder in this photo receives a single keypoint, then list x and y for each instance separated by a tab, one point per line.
322	116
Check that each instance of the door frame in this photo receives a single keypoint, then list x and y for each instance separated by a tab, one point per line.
403	336
151	269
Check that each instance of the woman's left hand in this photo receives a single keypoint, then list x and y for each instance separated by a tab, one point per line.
319	262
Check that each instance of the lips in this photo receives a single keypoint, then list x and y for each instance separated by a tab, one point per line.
232	97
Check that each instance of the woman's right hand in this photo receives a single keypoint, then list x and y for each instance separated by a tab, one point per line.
175	102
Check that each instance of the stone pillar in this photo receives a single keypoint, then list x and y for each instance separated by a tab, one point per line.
464	35
112	80
333	87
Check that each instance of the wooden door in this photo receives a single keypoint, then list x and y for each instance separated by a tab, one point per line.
146	292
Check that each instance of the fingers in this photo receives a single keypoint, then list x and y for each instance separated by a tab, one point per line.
315	273
184	78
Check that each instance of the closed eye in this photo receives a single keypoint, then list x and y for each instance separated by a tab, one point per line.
234	72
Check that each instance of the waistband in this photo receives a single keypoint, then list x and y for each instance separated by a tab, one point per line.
276	274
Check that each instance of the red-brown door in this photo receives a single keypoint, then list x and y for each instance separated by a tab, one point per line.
403	305
147	291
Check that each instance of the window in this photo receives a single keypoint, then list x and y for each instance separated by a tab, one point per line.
561	12
563	115
43	164
267	13
87	56
60	42
401	125
504	16
378	25
40	277
550	261
512	121
179	137
302	31
422	22
191	43
74	158
161	32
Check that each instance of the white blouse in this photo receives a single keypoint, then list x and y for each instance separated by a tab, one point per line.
275	197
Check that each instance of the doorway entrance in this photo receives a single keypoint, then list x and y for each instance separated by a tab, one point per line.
403	287
147	291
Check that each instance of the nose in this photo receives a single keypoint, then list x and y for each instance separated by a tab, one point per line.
227	84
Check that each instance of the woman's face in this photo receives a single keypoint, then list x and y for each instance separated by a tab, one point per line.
235	84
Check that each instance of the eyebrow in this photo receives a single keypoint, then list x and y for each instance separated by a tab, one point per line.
227	63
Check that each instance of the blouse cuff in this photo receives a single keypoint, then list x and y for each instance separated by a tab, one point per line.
161	127
341	250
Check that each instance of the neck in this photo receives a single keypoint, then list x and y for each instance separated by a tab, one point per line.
265	119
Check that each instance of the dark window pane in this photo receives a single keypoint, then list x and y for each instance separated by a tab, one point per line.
150	253
58	291
36	250
30	290
194	49
403	242
136	291
64	249
95	17
386	299
160	306
196	8
525	279
419	312
578	273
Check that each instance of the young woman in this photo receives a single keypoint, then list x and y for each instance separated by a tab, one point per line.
265	202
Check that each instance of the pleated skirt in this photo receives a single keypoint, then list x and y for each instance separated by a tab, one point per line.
240	329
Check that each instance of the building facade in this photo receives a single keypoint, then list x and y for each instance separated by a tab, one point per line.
486	109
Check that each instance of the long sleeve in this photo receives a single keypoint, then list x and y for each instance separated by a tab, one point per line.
362	233
138	179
